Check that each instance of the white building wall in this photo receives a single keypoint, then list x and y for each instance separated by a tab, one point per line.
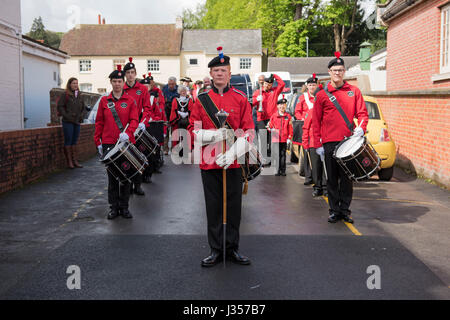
102	66
11	111
201	70
40	76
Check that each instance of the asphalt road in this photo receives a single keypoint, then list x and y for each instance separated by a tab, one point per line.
401	227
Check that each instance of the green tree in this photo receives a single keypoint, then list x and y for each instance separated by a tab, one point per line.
341	16
37	31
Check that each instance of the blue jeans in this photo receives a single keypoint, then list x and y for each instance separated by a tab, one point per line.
71	133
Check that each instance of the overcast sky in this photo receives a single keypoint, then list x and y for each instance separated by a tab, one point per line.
61	15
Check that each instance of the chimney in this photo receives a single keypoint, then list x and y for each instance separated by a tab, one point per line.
99	19
104	20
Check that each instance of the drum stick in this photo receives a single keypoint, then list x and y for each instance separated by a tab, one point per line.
224	195
324	167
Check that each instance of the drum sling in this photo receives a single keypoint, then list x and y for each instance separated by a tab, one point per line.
338	107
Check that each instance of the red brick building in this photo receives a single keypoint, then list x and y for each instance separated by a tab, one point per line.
416	104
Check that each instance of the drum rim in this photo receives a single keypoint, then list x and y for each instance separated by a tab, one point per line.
350	156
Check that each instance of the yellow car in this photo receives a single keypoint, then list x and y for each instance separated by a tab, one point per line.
377	134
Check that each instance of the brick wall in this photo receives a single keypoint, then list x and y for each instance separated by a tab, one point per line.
27	155
413	45
419	126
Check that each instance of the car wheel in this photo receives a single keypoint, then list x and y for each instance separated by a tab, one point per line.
294	158
386	174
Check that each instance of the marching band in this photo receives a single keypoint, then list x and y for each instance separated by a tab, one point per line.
131	127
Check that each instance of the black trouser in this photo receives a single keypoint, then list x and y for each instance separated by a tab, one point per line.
261	125
213	188
307	167
153	163
118	193
340	187
280	148
318	173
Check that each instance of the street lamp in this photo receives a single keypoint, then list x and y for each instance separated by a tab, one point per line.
307	47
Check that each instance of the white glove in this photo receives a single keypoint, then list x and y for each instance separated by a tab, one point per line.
211	136
150	120
238	149
321	152
358	132
124	137
100	150
183	114
141	126
259	98
288	142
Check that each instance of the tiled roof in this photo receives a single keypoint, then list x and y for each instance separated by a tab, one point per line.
318	65
123	39
248	41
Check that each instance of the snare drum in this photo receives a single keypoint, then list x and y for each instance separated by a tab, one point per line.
145	142
357	157
124	161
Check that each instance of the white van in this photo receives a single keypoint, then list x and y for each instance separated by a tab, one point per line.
286	76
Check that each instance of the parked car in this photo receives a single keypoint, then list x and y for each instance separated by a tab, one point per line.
93	113
242	83
377	134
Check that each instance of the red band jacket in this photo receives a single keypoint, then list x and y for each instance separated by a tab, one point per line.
328	124
240	117
302	107
106	129
139	92
283	127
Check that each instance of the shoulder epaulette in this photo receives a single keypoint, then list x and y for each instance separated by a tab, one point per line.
240	92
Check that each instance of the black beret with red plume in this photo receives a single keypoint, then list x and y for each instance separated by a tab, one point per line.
130	65
338	61
312	79
117	74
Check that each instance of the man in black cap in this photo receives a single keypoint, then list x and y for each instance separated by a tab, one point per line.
107	132
140	94
205	131
330	128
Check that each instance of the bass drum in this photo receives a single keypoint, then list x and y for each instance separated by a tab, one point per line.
125	161
357	157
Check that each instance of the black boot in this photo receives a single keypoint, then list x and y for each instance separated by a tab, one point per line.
214	258
126	213
138	190
113	213
317	193
238	258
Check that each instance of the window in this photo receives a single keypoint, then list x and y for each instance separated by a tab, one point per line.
245	63
101	90
193	62
153	65
86	87
116	62
445	31
85	66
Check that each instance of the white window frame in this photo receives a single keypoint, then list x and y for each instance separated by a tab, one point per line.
153	65
85	65
245	63
117	61
444	52
89	85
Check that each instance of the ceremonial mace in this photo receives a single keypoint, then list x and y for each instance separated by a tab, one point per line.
222	118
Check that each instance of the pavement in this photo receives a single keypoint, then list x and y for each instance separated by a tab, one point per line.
401	228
